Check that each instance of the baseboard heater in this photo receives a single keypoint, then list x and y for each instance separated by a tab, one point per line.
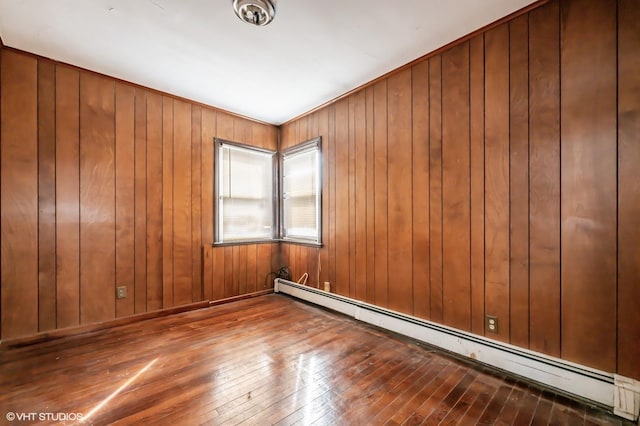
618	393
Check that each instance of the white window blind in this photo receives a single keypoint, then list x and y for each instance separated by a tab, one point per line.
245	208
301	211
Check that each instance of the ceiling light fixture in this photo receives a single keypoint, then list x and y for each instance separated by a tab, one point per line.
255	12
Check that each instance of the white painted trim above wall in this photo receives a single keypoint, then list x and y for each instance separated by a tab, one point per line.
619	393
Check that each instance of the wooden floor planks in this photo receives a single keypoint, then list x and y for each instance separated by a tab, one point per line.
267	360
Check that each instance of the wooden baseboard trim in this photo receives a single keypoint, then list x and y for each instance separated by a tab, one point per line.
241	297
46	336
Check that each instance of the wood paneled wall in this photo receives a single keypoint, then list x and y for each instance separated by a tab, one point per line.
108	184
496	177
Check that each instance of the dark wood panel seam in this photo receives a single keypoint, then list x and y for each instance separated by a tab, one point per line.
115	200
162	209
428	131
173	202
386	88
470	325
509	179
441	199
617	358
79	317
1	48
484	180
529	174
560	174
146	204
413	298
37	302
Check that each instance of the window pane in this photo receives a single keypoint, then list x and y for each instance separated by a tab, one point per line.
301	194
245	191
300	216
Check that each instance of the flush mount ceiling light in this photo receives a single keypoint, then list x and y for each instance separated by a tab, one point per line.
255	12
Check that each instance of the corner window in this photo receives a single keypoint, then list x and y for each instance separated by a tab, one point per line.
244	192
300	198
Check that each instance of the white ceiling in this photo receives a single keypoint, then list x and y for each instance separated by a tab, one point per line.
314	50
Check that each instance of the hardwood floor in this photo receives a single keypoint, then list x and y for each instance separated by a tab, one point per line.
267	360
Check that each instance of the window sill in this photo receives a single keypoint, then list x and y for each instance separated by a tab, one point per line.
248	242
301	243
243	243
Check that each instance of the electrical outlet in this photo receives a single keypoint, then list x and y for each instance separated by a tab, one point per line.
121	292
491	323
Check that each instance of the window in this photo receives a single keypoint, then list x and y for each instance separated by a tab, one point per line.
244	193
300	198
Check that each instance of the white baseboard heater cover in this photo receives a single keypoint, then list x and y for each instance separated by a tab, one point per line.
620	394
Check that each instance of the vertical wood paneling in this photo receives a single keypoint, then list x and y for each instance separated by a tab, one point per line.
207	272
292	260
266	255
182	248
303	125
207	218
312	126
251	268
519	179
224	126
97	198
476	110
19	198
140	212
313	266
228	271
351	197
456	256
154	194
588	184
235	272
67	196
420	184
628	188
370	185
167	203
301	263
125	196
208	134
218	273
1	258
196	199
242	269
331	154
381	201
497	177
110	179
400	200
435	186
284	253
323	130
360	195
46	196
544	181
341	282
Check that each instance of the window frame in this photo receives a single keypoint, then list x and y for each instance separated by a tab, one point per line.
311	144
217	169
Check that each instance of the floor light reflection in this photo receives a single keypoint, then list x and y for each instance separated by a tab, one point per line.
117	391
